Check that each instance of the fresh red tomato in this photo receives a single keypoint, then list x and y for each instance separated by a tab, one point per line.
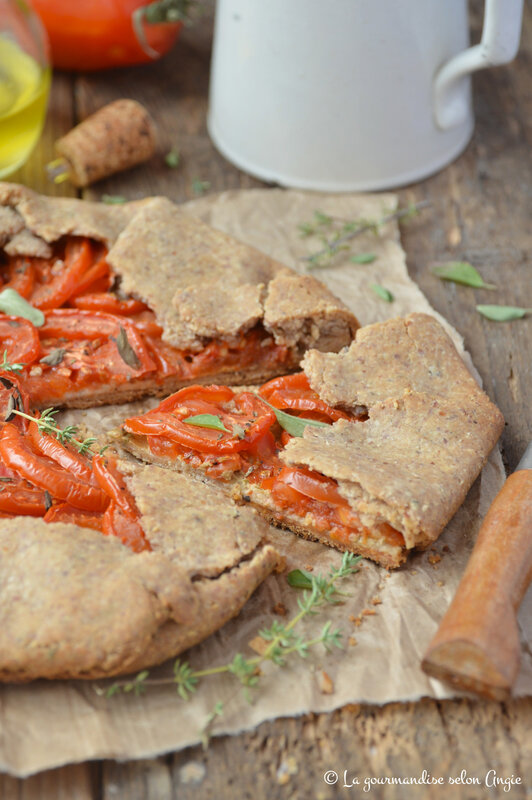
100	33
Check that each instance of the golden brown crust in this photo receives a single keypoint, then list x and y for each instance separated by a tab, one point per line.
77	604
429	432
388	358
203	284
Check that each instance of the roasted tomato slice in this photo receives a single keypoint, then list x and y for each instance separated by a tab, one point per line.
311	484
18	497
293	393
20	276
109	303
62	284
63	512
122	518
19	340
17	454
96	279
65	456
13	396
244	416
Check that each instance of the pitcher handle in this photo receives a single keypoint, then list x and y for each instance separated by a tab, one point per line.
499	44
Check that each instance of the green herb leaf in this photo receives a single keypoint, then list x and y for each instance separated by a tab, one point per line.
294	425
503	313
172	158
127	354
207	421
7	366
462	272
54	358
13	304
113	199
200	187
299	579
383	293
363	258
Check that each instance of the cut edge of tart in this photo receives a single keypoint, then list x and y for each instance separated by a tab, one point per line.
386	473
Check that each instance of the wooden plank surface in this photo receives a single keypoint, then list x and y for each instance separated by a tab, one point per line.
481	210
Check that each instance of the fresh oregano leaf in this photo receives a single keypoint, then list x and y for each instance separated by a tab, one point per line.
13	304
54	358
363	258
383	293
207	421
503	313
294	425
113	199
127	354
462	272
299	579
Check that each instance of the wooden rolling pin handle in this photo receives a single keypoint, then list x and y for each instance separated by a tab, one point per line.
477	644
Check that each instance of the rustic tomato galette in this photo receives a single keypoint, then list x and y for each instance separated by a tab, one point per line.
142	298
108	566
371	450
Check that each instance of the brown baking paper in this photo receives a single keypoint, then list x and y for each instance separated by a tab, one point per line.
387	620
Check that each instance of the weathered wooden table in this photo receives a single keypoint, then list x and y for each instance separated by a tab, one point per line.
481	211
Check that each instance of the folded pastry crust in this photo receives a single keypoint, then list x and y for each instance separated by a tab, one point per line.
202	284
77	604
426	433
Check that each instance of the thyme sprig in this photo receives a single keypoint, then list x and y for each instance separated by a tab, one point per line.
7	366
335	233
46	424
275	643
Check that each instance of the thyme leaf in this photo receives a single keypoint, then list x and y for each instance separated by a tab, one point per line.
299	579
172	158
363	258
113	199
46	424
462	272
7	366
199	187
16	306
211	421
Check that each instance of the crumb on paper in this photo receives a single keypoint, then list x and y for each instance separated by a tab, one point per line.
441	583
352	641
280	609
325	684
376	601
287	768
281	566
309	568
413	572
355	620
434	559
192	773
258	645
368	612
446	548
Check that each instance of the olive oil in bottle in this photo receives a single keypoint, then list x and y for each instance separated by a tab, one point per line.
24	87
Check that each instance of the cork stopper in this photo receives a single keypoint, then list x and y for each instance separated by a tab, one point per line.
118	136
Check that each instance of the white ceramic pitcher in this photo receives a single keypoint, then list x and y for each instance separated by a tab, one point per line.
343	95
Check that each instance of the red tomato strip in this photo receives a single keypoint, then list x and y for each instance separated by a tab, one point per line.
52	448
63	512
78	258
122	517
16	453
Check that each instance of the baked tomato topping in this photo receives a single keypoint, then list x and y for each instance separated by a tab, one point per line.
122	517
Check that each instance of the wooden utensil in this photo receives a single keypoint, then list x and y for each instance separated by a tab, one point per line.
477	644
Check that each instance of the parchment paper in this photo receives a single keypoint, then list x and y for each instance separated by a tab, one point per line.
44	725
